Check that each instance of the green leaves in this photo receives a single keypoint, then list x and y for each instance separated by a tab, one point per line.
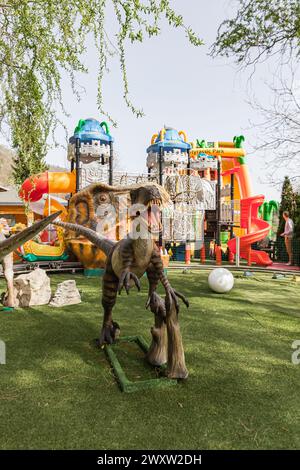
260	28
42	38
288	202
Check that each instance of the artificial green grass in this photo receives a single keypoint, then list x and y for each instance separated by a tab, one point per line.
57	390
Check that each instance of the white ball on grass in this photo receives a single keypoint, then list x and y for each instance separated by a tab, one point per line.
221	280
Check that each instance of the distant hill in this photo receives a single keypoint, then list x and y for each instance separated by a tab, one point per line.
6	162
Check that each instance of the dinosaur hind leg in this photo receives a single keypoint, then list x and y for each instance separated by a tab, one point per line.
110	329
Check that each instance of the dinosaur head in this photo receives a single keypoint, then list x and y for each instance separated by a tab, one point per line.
148	193
146	203
10	244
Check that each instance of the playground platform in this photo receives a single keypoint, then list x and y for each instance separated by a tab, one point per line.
283	267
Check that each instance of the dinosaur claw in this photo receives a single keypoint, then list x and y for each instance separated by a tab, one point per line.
183	298
105	337
136	281
124	281
172	296
108	334
156	304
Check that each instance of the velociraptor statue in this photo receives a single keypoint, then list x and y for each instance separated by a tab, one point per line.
127	261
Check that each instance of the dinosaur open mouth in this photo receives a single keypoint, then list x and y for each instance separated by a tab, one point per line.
154	216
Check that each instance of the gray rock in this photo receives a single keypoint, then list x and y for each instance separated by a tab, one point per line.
66	294
32	289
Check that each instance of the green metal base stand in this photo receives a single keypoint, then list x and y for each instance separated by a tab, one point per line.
127	385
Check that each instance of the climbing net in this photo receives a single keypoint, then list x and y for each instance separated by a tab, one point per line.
182	223
190	196
192	190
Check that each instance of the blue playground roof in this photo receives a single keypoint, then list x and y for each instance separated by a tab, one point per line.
90	129
172	140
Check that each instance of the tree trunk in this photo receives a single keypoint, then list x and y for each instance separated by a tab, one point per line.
157	354
176	361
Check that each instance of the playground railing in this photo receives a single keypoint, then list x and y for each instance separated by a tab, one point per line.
276	251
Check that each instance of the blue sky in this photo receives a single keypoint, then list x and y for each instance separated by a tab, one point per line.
178	85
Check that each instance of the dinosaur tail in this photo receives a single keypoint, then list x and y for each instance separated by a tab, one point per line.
104	244
9	245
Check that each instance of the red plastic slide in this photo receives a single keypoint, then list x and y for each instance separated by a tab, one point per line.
257	230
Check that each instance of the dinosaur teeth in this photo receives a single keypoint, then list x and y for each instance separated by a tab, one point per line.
154	202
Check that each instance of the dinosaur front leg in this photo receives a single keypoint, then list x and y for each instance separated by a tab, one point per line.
157	354
110	329
8	272
125	280
172	295
122	261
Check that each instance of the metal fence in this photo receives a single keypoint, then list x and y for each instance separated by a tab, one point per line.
280	253
276	251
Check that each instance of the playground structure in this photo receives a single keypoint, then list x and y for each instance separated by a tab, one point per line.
169	163
229	210
90	152
233	188
208	183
